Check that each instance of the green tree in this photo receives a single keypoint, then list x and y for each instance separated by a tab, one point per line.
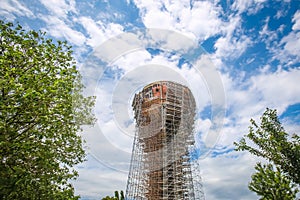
41	112
109	198
116	197
272	185
272	142
122	197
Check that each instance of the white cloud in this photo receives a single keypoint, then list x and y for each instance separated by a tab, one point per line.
232	47
201	20
287	49
279	89
169	40
106	168
241	5
292	44
133	60
60	8
226	176
114	48
98	31
60	26
10	8
249	6
270	37
233	24
96	181
233	42
155	18
59	29
296	20
249	100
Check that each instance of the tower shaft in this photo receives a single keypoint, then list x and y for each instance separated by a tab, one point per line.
161	165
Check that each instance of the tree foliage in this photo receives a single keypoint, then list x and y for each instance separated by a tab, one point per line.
41	111
273	143
272	184
116	197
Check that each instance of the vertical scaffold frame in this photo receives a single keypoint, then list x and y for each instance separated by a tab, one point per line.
162	166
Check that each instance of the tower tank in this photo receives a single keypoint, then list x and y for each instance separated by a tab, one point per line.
162	165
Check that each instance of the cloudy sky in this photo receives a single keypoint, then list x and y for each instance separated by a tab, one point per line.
238	57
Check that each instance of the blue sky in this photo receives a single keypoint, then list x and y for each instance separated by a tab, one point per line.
238	57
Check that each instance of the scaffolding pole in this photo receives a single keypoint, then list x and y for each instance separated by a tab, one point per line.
162	166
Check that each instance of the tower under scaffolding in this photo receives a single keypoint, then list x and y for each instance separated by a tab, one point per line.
162	165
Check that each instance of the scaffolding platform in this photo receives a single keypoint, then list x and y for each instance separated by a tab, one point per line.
162	167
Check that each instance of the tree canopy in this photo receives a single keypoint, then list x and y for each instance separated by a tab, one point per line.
272	184
282	150
116	197
42	109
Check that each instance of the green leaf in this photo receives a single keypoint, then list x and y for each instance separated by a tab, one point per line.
39	119
280	149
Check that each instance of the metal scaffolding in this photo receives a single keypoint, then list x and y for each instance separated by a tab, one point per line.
162	166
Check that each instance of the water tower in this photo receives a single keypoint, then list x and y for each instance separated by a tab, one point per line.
162	163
